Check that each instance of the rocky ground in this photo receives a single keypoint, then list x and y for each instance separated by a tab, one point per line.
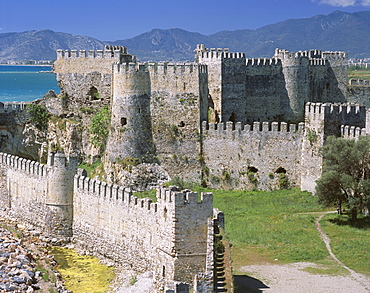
25	263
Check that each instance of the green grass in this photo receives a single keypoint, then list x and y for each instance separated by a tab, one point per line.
349	241
279	227
327	266
94	169
16	233
270	226
359	74
150	193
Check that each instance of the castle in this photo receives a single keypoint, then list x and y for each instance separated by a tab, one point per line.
223	121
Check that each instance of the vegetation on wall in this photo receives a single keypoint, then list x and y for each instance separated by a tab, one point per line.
99	128
311	135
39	115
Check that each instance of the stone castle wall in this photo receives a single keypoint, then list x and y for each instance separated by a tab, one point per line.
254	156
156	114
268	72
322	120
82	74
178	104
160	107
358	92
41	194
170	237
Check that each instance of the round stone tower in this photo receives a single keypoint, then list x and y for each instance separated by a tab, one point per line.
60	194
297	78
130	136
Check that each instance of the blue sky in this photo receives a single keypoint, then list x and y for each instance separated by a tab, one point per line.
119	19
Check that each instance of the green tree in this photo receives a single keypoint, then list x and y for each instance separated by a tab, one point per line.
99	128
39	115
346	174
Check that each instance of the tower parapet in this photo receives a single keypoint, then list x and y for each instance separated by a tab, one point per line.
262	62
113	53
130	134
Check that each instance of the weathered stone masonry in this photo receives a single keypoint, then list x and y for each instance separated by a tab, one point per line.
172	237
158	111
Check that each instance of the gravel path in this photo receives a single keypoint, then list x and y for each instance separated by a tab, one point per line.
290	278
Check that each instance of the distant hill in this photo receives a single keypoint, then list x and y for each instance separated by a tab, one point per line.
338	31
42	45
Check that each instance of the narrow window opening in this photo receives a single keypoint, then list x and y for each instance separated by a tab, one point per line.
252	169
93	93
163	271
280	170
232	117
123	121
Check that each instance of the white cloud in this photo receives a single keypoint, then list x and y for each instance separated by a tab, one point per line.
344	3
365	2
341	3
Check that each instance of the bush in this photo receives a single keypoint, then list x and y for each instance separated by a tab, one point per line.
39	115
99	128
180	183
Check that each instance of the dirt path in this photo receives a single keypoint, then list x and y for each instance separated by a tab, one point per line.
291	277
363	280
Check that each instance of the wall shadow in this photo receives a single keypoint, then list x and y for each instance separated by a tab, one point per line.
247	284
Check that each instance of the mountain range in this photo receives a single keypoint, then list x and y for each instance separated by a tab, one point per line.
338	31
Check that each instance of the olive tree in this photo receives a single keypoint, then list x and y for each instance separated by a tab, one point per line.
345	178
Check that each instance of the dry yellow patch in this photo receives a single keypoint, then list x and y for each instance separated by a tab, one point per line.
82	273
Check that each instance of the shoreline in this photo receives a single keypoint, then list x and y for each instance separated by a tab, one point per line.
36	65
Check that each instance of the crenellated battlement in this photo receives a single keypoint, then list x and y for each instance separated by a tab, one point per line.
129	67
119	194
334	109
185	197
231	128
317	62
161	68
59	160
359	82
24	165
176	68
204	53
335	55
285	54
314	55
259	62
109	52
13	106
352	132
221	55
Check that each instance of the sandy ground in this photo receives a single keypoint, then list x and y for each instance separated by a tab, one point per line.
290	278
143	283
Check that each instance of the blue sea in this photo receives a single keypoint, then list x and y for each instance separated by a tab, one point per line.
22	83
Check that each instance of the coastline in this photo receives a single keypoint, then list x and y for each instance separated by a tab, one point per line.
37	65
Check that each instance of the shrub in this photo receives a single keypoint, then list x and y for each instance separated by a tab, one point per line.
99	128
39	115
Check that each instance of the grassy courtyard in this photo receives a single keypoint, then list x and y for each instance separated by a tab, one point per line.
279	227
